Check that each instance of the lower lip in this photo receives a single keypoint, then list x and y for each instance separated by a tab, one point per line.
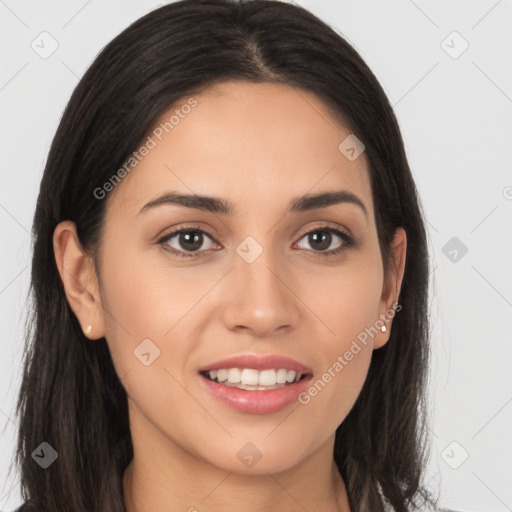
257	401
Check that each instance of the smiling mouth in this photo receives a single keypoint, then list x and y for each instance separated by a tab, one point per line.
254	380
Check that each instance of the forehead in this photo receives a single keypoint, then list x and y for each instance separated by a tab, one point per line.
257	145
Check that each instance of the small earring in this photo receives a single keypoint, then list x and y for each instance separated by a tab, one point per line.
89	329
383	328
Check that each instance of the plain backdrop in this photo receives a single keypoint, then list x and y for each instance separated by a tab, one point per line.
446	68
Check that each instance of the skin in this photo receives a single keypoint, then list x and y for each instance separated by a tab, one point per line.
215	304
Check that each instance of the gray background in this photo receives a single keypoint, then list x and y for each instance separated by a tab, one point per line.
455	111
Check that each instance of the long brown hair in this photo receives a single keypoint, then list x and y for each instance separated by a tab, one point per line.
71	396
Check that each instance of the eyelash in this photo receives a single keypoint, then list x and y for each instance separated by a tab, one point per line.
348	241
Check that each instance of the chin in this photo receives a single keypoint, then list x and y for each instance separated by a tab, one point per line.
255	459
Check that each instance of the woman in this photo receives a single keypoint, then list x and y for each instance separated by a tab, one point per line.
230	278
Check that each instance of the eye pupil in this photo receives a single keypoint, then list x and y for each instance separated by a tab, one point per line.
324	235
195	236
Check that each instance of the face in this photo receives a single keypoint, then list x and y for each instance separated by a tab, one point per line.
274	276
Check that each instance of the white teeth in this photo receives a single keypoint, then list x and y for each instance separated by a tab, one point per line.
234	375
267	378
251	377
222	375
281	376
253	388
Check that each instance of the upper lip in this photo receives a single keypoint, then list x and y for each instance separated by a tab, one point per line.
258	363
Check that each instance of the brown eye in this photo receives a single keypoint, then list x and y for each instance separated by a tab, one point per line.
320	239
185	241
189	242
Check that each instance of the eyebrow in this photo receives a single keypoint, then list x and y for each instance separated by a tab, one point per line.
212	204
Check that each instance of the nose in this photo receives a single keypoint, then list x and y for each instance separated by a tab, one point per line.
260	297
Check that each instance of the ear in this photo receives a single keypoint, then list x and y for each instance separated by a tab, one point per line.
79	279
391	288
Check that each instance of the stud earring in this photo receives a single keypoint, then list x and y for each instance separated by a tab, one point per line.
383	328
89	329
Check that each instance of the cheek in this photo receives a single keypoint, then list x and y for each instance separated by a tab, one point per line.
347	301
148	295
336	385
144	306
143	301
345	347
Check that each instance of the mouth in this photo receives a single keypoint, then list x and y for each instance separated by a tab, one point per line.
251	379
270	395
255	383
